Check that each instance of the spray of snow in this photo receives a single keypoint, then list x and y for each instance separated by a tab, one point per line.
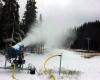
58	19
52	34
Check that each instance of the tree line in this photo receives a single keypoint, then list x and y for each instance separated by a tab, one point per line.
12	30
87	36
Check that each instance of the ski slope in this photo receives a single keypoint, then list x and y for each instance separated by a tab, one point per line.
89	68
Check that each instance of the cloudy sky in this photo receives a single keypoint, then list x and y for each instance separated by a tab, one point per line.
69	12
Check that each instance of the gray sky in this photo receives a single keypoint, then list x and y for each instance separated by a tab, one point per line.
68	12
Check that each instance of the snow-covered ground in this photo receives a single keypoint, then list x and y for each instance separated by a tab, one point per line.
89	68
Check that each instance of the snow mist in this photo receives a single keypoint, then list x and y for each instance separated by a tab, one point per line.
58	17
52	35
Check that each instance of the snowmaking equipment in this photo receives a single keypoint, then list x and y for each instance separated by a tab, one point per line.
60	56
15	56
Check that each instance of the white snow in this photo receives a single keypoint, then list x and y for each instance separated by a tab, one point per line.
90	68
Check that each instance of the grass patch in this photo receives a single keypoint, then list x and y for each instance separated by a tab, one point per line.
70	72
66	73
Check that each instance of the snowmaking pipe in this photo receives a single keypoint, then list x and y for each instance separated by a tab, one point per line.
51	58
53	76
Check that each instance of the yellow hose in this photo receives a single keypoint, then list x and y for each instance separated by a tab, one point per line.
14	71
48	60
52	75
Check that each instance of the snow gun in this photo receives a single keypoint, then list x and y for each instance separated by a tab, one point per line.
15	56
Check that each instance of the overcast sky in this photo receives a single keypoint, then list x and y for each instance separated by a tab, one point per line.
68	12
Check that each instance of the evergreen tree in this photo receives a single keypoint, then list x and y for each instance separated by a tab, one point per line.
1	6
29	15
88	36
10	19
1	35
10	15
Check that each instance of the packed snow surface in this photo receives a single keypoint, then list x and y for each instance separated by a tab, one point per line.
89	68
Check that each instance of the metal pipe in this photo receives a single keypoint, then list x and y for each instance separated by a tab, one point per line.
60	64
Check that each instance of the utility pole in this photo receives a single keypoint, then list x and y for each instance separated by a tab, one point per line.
60	63
88	42
40	18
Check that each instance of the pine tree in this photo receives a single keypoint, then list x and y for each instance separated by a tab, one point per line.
10	15
10	18
29	15
88	32
1	6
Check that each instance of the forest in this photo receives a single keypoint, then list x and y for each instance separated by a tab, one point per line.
87	36
12	29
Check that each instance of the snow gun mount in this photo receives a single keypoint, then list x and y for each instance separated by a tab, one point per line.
16	58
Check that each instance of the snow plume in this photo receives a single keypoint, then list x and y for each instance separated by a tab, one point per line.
50	33
58	17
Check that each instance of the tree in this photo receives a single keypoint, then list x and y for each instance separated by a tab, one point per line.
10	15
29	17
1	6
10	19
88	36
